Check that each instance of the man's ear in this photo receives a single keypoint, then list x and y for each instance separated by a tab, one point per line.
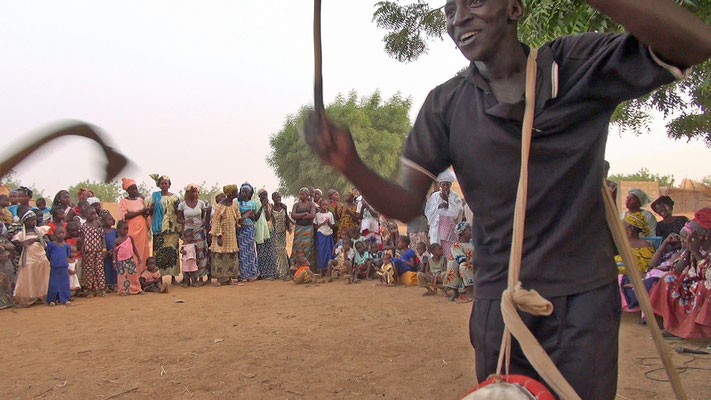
515	10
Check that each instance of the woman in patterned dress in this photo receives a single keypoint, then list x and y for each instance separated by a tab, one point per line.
281	224
349	214
303	213
245	233
263	238
224	265
165	227
460	270
33	267
682	297
335	208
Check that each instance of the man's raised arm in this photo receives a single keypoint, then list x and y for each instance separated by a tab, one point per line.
675	35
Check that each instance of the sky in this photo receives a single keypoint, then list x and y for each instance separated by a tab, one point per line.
194	89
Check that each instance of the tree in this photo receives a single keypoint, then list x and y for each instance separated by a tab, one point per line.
379	130
682	104
645	176
11	182
106	192
707	180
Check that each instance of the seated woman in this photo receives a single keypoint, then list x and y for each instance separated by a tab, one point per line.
460	269
683	295
636	198
664	206
643	251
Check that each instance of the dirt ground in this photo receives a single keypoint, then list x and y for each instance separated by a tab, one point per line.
272	340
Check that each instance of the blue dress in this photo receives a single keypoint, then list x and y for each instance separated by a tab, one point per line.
58	289
248	268
109	271
400	265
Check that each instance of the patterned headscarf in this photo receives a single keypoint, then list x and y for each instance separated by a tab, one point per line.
637	220
260	191
703	217
29	214
191	186
643	197
304	190
127	183
461	227
248	186
229	189
93	200
157	178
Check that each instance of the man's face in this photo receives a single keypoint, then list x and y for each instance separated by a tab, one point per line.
478	27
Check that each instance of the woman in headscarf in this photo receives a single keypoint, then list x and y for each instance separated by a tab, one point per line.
281	224
262	236
335	208
643	252
7	269
245	234
460	269
444	212
191	214
349	214
303	213
224	265
683	296
165	227
636	199
33	268
133	210
664	206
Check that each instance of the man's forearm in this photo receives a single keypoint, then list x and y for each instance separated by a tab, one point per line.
676	35
401	201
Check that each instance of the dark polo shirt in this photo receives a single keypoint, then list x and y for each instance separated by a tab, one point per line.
567	248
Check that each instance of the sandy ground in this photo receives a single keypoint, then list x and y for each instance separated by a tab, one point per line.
272	340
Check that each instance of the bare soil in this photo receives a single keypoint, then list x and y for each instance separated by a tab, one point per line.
273	340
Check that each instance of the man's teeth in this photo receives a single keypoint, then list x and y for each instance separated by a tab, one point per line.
467	36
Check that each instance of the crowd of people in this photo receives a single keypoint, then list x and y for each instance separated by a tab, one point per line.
49	254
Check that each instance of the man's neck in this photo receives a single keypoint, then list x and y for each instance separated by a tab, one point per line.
509	61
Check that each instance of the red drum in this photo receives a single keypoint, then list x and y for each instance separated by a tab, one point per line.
509	387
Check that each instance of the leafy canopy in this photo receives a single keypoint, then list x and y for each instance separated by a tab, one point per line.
106	192
683	104
379	129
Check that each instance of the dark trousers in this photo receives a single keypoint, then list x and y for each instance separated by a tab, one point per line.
580	336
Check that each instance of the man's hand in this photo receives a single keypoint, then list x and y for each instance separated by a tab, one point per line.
334	145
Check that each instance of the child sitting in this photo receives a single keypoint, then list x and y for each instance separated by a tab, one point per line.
190	267
150	279
387	271
422	254
343	236
301	268
433	270
362	265
5	213
343	264
376	255
408	260
58	253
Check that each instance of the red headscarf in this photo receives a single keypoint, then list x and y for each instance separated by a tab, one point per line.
703	217
127	183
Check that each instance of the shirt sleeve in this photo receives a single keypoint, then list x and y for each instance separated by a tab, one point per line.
427	147
609	67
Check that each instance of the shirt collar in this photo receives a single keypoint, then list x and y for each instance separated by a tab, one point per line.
546	87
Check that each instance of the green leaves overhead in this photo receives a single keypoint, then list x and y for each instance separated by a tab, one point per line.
379	129
411	25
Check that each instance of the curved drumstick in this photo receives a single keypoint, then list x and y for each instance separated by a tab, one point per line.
115	161
318	77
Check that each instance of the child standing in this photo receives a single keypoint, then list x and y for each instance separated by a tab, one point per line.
190	266
324	223
57	220
150	279
127	272
75	259
93	247
110	235
58	253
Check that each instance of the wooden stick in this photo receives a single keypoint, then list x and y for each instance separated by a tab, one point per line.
630	261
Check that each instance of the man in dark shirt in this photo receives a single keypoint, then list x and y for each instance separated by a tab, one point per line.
473	122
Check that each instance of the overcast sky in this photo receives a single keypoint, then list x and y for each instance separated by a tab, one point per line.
194	89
